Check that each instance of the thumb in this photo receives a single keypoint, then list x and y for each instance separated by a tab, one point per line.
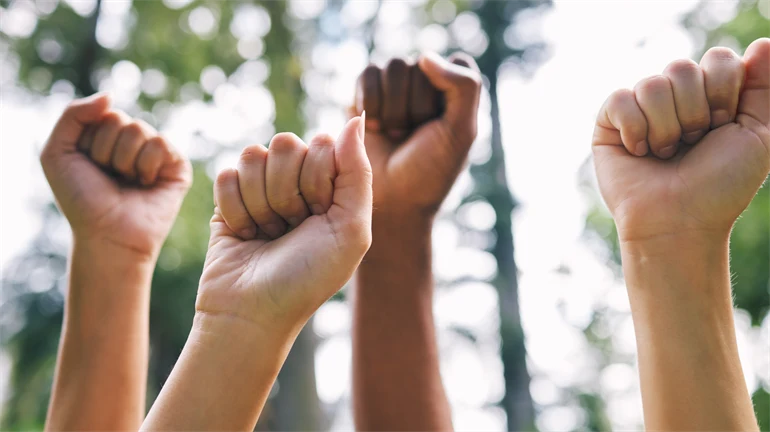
755	97
460	82
353	184
75	118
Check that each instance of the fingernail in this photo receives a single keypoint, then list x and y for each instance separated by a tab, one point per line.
248	233
641	148
362	126
317	209
719	117
273	230
692	137
667	152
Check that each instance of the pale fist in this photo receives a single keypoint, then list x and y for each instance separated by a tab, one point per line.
292	223
685	152
115	179
420	124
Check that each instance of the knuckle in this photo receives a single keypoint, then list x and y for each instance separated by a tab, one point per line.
133	130
157	144
285	142
396	65
619	98
370	71
253	153
653	84
322	141
682	67
720	55
226	177
112	119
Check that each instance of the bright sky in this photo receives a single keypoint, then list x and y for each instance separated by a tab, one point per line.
596	46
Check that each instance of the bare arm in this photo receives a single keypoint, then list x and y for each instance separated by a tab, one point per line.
261	282
120	186
681	303
416	153
104	344
395	357
678	158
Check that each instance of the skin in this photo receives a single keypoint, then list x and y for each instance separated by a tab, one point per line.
678	159
416	153
292	223
120	186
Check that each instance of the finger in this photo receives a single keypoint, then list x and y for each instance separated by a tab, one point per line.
316	182
369	96
461	87
227	196
621	121
284	163
395	98
151	157
78	114
128	145
692	107
755	98
87	138
424	99
353	184
723	72
656	99
106	136
251	178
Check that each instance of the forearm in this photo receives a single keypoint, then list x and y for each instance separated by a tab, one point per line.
222	378
396	379
681	303
101	375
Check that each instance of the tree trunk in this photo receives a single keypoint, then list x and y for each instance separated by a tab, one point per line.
88	55
517	401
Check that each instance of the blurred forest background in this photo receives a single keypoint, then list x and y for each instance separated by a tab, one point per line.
215	76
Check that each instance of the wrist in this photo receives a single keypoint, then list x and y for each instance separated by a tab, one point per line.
103	247
233	332
679	277
695	243
398	234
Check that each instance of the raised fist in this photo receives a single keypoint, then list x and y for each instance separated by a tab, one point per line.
420	124
114	178
686	151
291	225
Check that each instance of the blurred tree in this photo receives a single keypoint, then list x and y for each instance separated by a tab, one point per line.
498	19
176	46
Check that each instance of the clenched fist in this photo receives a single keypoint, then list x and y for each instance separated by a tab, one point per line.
115	179
421	122
291	225
686	151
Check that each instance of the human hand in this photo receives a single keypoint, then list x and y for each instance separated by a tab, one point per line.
118	183
417	152
706	127
291	225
